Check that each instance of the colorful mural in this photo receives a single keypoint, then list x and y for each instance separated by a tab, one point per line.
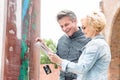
24	43
29	33
21	60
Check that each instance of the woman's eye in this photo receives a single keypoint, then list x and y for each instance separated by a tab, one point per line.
83	27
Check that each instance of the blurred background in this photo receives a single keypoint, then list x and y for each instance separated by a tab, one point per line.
50	29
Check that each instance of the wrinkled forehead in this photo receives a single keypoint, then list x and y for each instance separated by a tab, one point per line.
64	20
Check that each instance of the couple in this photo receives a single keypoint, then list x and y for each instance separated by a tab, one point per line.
94	61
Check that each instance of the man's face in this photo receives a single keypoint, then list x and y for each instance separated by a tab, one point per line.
67	25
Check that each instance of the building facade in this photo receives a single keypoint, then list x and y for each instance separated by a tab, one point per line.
111	10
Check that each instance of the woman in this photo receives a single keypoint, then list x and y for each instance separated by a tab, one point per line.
94	61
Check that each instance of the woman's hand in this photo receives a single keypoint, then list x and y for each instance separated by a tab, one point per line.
54	58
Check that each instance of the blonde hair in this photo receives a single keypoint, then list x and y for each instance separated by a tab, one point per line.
96	20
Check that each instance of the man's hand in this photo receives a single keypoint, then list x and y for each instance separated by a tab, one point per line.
38	39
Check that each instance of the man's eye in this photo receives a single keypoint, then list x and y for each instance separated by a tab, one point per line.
66	24
61	26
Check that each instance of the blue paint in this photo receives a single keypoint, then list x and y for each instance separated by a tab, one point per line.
24	47
25	8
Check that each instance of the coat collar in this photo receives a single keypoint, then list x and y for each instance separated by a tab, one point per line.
99	36
76	34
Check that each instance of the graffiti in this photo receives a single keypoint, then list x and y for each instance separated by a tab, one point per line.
11	31
12	44
19	52
10	49
26	13
25	7
12	11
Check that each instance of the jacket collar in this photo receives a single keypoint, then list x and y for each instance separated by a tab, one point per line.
76	34
99	36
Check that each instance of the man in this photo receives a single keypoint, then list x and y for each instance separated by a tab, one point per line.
70	45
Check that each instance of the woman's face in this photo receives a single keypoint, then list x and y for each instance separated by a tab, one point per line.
88	30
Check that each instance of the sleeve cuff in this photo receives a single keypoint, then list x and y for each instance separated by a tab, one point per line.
64	65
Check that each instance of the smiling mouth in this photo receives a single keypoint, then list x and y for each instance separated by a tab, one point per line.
67	31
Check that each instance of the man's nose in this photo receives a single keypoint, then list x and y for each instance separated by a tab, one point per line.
64	29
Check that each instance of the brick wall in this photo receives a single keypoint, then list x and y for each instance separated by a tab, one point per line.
115	48
111	10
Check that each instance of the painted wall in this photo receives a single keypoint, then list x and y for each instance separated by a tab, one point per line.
1	30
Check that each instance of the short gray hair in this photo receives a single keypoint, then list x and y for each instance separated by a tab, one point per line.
66	13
